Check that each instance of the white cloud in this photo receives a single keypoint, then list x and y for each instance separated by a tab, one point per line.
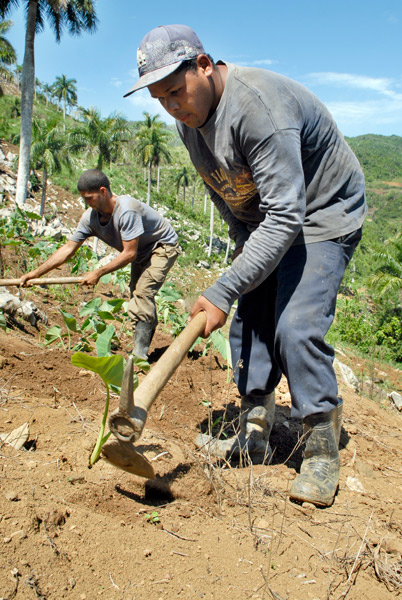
143	101
381	85
116	82
257	63
372	115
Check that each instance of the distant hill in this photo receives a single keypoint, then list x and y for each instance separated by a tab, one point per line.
379	155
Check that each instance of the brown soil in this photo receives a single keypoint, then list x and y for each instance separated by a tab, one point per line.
221	531
201	529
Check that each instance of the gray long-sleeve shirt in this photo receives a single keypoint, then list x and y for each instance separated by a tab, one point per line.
278	170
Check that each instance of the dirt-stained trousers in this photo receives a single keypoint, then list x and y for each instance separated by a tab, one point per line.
147	277
280	326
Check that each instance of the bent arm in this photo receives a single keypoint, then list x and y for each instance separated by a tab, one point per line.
126	256
277	170
58	258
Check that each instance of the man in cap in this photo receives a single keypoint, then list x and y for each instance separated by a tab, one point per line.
142	237
292	192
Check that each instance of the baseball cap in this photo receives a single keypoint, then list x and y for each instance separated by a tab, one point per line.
162	51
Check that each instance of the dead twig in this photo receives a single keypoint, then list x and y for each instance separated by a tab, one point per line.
177	535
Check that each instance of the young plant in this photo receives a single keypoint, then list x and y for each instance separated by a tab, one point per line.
110	369
94	327
153	517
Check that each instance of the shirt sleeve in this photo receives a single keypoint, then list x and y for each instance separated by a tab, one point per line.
276	165
83	230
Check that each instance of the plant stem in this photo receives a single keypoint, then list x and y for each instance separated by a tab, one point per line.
101	437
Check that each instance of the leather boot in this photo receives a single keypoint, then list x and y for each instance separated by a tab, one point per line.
143	333
252	442
319	473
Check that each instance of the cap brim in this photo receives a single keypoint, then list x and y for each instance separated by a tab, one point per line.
153	77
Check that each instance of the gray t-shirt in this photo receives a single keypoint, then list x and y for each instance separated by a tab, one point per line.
130	219
279	171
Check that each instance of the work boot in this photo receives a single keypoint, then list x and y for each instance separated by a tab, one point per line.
143	333
256	423
319	472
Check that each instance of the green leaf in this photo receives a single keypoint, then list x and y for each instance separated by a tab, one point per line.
106	278
33	216
112	306
105	316
3	322
141	363
90	307
104	341
53	334
110	368
221	344
69	320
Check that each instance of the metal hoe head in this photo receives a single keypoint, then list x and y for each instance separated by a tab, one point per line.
127	423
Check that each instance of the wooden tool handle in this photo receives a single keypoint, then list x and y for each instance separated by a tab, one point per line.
161	372
42	281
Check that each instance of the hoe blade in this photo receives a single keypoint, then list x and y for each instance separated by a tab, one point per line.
124	456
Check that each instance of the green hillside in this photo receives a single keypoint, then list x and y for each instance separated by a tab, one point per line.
379	155
369	310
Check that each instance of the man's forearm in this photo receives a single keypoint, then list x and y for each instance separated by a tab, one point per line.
54	261
119	262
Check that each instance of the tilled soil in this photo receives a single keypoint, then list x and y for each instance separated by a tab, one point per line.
201	529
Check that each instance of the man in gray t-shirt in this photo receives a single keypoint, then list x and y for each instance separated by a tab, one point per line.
292	192
140	234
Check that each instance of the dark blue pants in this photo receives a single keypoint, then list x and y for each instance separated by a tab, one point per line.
280	326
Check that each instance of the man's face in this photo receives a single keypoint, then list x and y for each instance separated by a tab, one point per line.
188	96
96	200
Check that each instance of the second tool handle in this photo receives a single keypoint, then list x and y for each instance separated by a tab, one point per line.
161	372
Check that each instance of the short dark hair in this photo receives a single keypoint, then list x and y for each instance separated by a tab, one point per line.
191	64
92	180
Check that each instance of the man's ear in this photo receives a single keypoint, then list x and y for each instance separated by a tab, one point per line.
205	64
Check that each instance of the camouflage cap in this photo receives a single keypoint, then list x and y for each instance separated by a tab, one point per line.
162	51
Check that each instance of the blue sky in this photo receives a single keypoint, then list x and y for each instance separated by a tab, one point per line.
347	52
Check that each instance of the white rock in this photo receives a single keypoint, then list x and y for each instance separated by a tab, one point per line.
355	485
347	375
396	399
17	437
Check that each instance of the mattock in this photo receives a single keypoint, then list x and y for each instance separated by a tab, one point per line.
127	422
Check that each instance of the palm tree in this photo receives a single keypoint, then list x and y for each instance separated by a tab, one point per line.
66	90
15	108
18	75
49	151
387	279
183	179
99	138
48	91
152	147
74	15
7	52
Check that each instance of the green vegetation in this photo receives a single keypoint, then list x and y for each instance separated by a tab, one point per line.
147	160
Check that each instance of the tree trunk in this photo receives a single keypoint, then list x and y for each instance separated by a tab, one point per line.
158	179
211	229
193	197
27	93
149	185
44	186
64	112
